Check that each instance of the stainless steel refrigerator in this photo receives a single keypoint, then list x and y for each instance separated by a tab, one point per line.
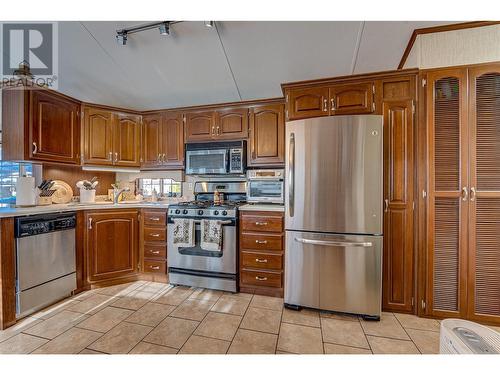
333	219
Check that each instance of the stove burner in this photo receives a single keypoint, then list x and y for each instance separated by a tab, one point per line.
209	204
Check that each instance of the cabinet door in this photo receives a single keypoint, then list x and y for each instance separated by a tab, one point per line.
484	235
200	126
98	136
307	102
267	135
352	99
127	140
112	244
232	124
54	128
172	136
447	210
151	141
398	199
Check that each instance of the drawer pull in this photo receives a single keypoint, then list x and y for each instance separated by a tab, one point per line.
261	241
154	252
156	268
154	218
260	278
261	223
260	260
154	235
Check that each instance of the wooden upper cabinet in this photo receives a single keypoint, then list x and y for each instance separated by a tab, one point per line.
231	123
200	126
151	141
111	244
54	128
98	136
126	140
352	99
267	135
307	102
172	137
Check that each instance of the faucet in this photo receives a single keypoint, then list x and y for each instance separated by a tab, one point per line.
117	192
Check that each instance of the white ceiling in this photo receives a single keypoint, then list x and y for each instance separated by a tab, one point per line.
237	61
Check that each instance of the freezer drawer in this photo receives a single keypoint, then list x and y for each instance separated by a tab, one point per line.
334	272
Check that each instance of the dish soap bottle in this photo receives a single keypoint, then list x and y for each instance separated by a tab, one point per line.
154	196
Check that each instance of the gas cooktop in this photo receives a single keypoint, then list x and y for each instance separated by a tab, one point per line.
204	209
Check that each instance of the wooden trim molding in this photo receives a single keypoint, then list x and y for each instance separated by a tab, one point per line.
440	29
7	273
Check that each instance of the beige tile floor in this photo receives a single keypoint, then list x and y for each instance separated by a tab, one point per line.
154	318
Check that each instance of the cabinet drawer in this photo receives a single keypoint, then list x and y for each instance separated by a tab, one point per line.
155	251
261	278
155	218
261	260
155	266
155	234
260	223
256	241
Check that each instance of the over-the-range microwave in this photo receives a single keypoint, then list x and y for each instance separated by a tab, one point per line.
216	158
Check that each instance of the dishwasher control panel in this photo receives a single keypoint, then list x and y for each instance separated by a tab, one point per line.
39	224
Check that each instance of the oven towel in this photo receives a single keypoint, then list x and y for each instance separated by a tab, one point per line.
211	235
183	232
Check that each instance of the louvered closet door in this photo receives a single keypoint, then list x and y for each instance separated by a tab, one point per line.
447	190
484	235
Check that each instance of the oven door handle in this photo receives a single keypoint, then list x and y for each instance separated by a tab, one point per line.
224	222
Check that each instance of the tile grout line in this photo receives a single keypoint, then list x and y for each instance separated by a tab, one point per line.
279	330
239	325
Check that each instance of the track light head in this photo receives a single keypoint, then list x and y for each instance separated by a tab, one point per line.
164	28
209	24
121	38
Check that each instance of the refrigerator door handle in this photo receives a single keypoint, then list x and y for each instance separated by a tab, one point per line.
291	175
334	243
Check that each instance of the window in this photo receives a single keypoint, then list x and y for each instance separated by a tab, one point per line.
9	172
165	187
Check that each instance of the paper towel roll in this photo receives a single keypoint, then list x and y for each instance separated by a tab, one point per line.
25	191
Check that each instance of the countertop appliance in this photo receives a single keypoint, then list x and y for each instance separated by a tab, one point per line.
216	158
45	260
194	266
333	214
458	336
265	185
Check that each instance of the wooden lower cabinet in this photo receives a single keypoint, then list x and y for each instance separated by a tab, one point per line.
261	246
111	245
153	244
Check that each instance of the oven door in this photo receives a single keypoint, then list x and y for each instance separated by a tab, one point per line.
196	258
207	161
265	191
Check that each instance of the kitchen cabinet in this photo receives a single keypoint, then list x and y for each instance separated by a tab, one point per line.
261	243
352	99
153	240
111	244
111	138
266	146
163	141
307	102
40	125
221	124
398	260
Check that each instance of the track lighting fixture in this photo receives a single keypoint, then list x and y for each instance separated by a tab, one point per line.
121	38
209	24
164	28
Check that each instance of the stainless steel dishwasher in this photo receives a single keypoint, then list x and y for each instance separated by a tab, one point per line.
45	260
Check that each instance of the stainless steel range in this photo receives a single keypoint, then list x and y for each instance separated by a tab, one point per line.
195	266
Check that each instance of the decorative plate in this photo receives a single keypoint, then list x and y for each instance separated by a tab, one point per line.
63	193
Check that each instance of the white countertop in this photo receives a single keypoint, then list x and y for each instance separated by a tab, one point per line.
22	211
262	207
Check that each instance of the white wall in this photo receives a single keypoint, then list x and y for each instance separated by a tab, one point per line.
458	47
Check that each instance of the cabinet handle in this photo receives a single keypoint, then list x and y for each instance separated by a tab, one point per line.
260	260
386	201
213	130
110	156
156	268
472	194
260	278
163	158
261	241
154	235
325	105
154	252
332	103
35	148
158	158
465	193
90	223
116	157
154	218
260	223
218	130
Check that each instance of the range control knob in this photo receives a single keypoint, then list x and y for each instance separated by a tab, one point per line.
177	211
200	212
185	212
216	212
224	213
